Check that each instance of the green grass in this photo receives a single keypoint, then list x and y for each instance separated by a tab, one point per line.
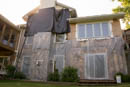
7	83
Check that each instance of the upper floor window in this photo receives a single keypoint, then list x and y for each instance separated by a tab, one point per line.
60	38
95	30
29	41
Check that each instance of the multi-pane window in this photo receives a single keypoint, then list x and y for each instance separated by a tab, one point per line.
95	30
96	66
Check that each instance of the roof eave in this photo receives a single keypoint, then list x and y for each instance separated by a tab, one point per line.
6	21
96	18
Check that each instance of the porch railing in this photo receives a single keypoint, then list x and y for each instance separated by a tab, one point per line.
8	37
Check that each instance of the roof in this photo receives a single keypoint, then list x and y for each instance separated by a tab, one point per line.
73	10
6	21
96	18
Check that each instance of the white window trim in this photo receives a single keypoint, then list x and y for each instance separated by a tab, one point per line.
105	61
110	27
64	39
55	59
84	39
23	62
26	42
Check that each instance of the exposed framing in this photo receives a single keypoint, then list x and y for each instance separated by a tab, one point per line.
8	58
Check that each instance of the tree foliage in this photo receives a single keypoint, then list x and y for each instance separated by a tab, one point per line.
124	7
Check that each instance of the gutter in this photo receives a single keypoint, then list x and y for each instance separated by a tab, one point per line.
96	18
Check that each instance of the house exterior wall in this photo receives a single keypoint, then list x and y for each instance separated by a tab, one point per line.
116	28
45	47
126	36
116	60
115	24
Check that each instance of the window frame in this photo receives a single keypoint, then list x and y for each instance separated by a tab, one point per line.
101	37
105	62
22	64
65	37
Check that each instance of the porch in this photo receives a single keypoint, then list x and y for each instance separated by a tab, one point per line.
9	38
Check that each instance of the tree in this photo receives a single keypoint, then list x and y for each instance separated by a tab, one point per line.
124	7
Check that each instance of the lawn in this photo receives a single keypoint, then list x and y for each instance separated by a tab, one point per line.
33	84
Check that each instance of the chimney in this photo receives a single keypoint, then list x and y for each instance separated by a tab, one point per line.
47	3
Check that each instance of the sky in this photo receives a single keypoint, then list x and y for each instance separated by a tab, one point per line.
14	10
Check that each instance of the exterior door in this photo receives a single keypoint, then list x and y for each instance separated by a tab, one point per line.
26	65
96	66
59	63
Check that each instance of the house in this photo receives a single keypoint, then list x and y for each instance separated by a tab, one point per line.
9	39
94	46
126	35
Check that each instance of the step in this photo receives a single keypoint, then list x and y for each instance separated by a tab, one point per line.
85	81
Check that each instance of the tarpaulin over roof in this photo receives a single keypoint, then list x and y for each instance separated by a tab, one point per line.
48	20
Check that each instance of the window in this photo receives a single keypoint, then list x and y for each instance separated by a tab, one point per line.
60	38
26	65
95	30
81	30
96	66
29	40
59	63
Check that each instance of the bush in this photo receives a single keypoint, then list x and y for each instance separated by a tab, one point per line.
54	76
10	71
69	74
19	75
124	78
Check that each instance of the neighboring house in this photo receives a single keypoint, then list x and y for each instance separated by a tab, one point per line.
9	38
126	36
94	46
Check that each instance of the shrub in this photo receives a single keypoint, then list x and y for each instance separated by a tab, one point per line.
10	71
69	74
124	78
54	76
19	75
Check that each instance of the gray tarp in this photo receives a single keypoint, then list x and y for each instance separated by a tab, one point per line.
48	20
